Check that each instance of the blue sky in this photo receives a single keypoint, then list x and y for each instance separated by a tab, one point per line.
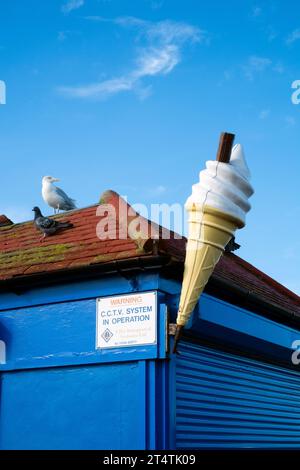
132	95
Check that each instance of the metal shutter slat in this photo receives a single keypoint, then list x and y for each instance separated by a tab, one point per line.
227	401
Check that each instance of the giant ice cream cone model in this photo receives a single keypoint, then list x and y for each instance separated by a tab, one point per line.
216	208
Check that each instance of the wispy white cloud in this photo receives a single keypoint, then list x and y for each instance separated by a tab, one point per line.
290	121
271	33
99	90
256	12
256	65
293	36
164	43
157	190
166	31
155	5
64	35
61	36
264	114
169	32
72	5
226	77
156	61
143	92
279	68
150	62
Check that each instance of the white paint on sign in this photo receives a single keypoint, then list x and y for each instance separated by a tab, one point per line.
126	320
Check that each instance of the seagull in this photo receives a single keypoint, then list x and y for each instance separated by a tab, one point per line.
56	197
48	226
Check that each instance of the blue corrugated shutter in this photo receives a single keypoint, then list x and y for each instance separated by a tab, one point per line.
228	401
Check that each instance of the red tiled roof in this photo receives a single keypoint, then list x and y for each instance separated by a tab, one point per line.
5	221
239	272
23	254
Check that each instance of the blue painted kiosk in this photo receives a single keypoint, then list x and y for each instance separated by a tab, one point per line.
86	333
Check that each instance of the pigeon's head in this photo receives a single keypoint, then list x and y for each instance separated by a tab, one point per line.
49	179
36	210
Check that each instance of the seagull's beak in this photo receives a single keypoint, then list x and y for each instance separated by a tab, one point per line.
55	179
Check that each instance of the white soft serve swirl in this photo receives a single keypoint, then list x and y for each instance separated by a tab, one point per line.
224	186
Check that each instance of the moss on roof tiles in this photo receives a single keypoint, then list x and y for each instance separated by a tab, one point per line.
34	255
4	228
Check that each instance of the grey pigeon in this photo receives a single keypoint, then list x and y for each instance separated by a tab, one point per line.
48	226
56	197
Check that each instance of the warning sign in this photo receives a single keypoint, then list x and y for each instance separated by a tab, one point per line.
126	320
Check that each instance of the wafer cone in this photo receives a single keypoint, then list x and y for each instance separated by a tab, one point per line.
209	232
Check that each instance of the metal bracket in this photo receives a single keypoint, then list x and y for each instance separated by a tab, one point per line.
172	329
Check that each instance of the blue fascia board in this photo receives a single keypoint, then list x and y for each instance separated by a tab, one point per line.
103	286
212	312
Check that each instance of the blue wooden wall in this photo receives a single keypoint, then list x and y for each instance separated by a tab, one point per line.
59	392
